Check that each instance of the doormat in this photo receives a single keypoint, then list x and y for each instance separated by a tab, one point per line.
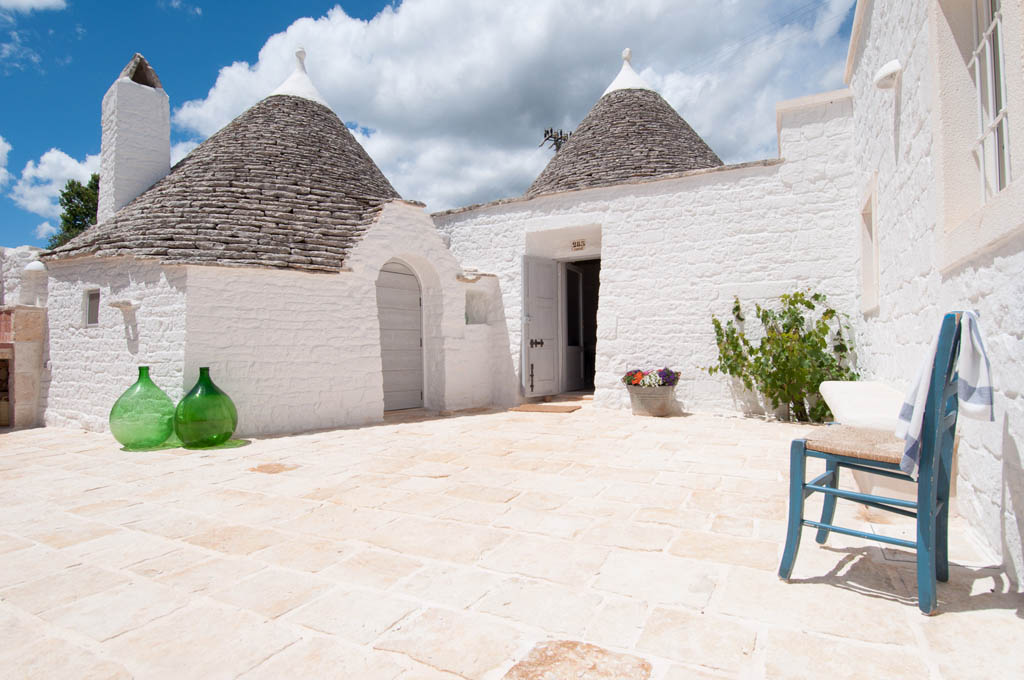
546	408
578	660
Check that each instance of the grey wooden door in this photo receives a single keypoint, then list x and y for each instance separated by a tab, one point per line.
399	306
540	309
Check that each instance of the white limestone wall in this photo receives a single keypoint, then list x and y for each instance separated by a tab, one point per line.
90	366
896	136
674	252
300	351
458	363
135	149
295	351
12	274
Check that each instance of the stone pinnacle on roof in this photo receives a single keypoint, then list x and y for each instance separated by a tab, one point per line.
631	134
139	71
628	79
298	83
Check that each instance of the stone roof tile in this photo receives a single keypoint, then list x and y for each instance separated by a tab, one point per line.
284	185
629	134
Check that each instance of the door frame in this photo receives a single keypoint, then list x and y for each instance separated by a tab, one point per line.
561	322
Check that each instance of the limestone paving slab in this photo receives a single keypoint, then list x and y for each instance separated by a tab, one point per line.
580	661
108	614
57	658
324	657
200	641
439	548
455	642
545	605
359	616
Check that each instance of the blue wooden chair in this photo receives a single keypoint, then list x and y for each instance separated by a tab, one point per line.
880	453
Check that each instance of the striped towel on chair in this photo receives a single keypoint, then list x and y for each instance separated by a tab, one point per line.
974	390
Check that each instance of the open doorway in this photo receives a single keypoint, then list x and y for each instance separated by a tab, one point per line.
582	284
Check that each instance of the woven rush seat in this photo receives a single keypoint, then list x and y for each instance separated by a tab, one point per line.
857	442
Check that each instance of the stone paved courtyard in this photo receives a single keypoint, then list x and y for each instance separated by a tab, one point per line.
445	548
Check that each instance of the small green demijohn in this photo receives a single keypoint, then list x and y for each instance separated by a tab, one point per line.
206	416
142	417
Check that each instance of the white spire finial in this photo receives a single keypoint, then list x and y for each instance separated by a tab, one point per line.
298	83
627	78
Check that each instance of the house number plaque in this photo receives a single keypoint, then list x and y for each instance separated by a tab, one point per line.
579	244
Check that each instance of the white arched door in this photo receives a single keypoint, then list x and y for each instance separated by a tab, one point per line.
399	307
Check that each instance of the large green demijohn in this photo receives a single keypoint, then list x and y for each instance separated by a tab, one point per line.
206	416
142	417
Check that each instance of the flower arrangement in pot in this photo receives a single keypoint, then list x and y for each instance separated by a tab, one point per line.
650	392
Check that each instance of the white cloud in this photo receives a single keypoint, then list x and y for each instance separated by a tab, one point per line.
16	54
457	94
40	183
185	7
829	19
45	231
30	5
5	174
181	149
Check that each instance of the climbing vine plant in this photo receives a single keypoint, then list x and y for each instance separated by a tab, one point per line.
804	344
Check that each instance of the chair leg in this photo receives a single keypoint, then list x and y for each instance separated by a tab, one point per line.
942	543
926	549
942	518
828	510
797	469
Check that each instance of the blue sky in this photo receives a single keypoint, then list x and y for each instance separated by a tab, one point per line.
451	95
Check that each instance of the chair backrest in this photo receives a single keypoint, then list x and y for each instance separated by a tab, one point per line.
938	427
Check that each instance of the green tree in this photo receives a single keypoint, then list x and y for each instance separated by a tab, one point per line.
79	202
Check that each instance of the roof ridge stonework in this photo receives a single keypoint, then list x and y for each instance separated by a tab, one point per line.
629	134
284	185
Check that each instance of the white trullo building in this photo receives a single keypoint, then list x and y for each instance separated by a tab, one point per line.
277	254
900	197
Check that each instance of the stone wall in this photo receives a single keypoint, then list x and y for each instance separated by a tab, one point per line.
12	273
674	252
897	137
295	351
136	146
459	367
90	366
300	351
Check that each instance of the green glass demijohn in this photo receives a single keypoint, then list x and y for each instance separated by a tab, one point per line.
206	416
142	417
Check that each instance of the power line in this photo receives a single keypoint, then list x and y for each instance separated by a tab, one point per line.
728	52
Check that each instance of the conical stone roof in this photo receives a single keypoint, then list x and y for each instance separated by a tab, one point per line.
631	133
284	185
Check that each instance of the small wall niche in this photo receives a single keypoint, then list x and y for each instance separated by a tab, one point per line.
476	307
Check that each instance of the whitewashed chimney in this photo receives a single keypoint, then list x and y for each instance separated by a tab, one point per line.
136	146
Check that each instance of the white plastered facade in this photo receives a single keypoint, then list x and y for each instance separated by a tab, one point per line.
675	251
940	246
296	351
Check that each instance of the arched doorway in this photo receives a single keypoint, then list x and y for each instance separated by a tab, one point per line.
400	309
